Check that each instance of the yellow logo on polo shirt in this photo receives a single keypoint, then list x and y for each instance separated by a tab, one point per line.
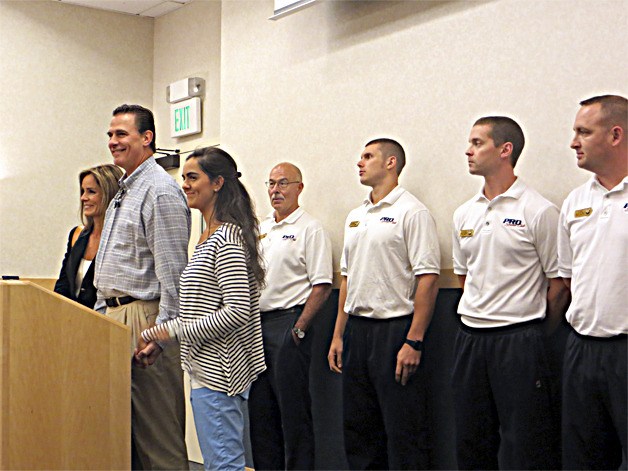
581	213
354	223
261	236
466	233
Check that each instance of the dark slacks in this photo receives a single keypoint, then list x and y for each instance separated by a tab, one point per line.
281	427
594	402
505	396
385	423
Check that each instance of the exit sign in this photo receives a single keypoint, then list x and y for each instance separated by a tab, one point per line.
185	117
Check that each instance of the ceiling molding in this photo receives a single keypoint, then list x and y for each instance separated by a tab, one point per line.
148	8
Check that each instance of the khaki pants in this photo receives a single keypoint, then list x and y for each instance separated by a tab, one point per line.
157	397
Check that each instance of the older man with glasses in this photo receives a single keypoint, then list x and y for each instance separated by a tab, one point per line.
297	252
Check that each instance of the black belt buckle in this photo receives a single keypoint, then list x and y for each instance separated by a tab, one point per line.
120	301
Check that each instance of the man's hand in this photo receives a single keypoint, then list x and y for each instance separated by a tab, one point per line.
146	354
408	360
335	355
141	345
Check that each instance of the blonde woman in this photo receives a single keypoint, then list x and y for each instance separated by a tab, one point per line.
98	187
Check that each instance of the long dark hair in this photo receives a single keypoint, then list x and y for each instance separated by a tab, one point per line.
233	203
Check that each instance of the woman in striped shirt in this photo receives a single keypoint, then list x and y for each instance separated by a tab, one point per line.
219	321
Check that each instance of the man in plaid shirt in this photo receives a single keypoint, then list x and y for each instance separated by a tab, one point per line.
142	252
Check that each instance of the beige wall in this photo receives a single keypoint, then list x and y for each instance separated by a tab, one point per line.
310	88
315	86
62	71
187	44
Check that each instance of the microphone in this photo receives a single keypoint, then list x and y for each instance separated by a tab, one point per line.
118	198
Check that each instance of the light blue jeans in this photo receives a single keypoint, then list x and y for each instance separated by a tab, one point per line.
220	428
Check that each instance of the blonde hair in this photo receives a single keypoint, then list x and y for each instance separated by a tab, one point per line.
107	177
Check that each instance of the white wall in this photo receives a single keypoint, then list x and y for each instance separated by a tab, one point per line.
313	87
63	69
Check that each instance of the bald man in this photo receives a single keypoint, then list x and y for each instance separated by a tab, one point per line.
297	251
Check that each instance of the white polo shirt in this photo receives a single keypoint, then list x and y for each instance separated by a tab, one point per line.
507	249
386	246
593	252
297	255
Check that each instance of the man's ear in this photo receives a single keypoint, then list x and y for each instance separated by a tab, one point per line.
506	150
391	162
617	135
147	138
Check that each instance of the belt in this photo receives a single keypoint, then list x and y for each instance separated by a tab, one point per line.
120	301
294	309
619	337
505	329
376	320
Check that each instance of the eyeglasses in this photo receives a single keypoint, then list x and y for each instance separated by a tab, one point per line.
282	184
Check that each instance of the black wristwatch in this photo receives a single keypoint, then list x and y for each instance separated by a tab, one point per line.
299	333
416	344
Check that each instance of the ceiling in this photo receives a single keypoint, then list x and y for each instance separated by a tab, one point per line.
150	8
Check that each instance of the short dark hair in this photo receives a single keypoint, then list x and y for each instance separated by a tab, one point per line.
144	120
391	147
504	129
614	109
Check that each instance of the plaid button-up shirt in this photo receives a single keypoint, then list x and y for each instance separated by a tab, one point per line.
144	243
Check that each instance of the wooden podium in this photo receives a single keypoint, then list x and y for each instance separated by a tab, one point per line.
65	383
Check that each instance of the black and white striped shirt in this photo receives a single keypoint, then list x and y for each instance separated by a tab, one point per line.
219	320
